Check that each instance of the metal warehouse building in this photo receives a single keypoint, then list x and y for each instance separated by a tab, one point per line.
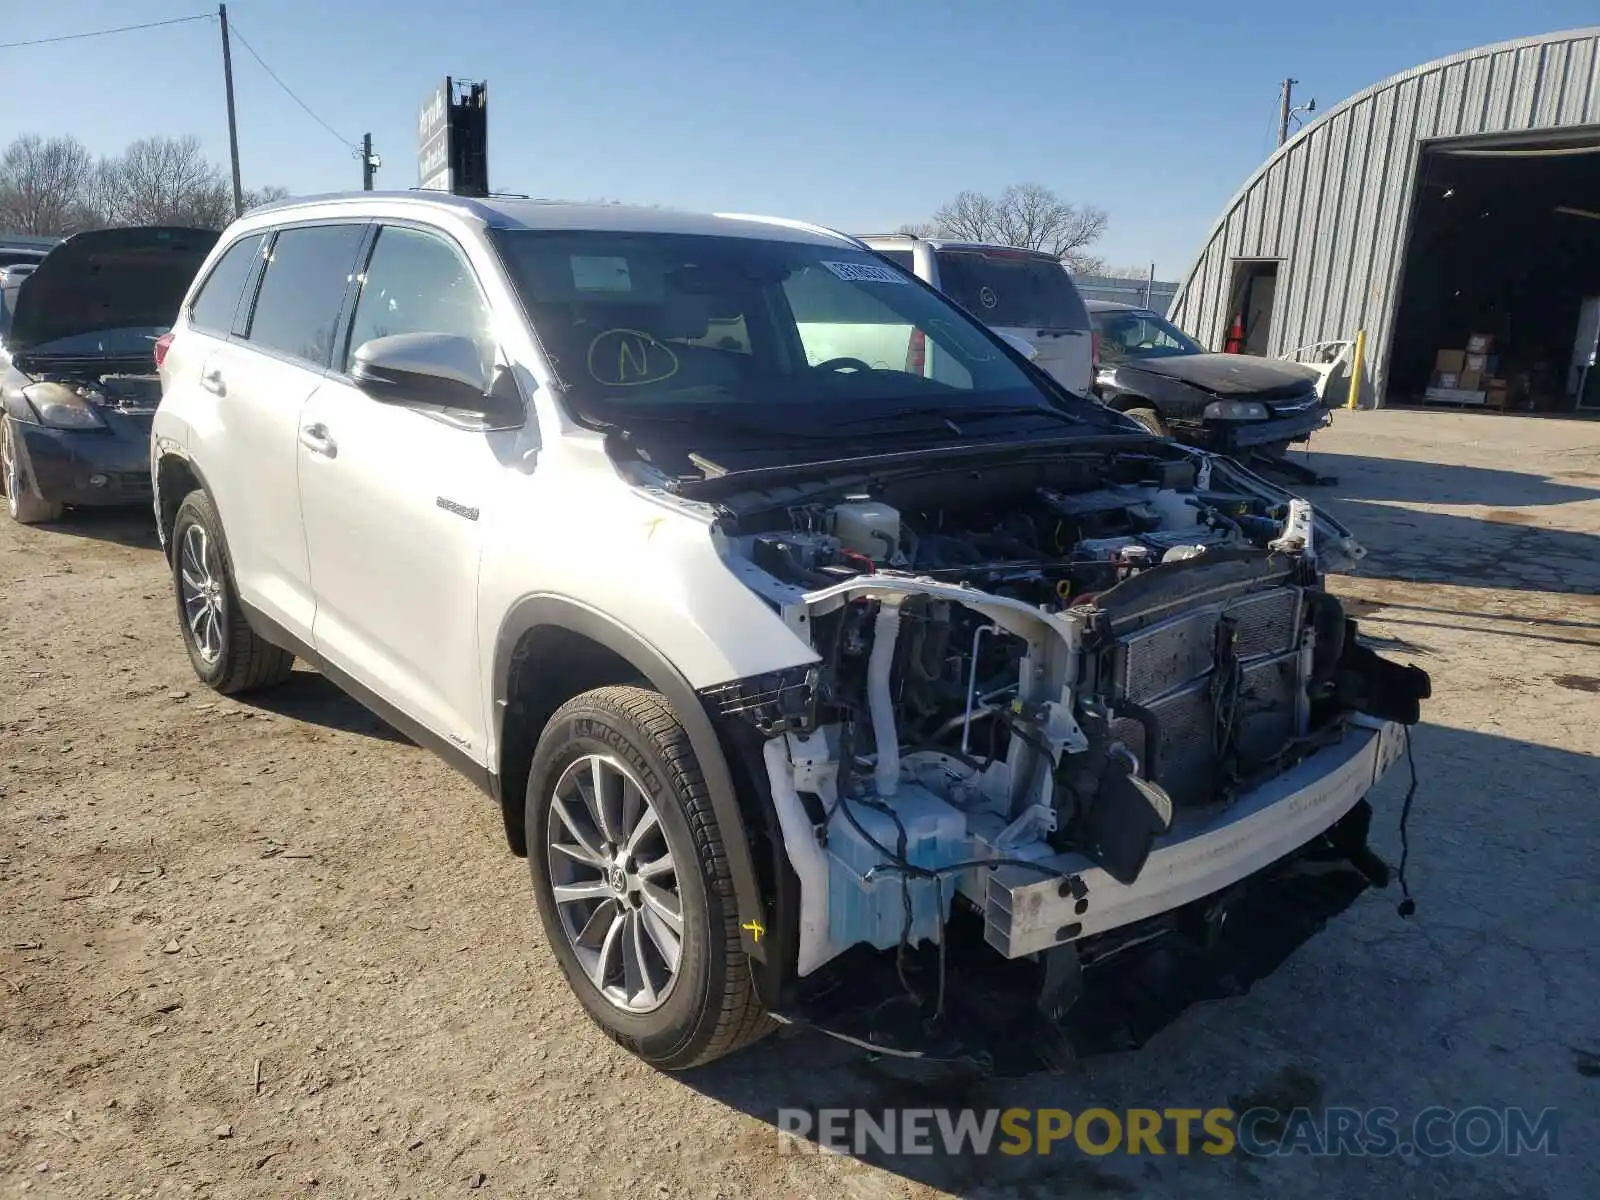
1451	211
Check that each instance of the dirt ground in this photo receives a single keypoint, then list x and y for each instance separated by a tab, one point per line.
254	949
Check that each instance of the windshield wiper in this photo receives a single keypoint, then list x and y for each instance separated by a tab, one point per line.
953	413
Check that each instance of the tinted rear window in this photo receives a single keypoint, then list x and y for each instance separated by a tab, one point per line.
218	298
1021	291
303	290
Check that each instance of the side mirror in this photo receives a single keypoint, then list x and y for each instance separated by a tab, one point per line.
430	370
1021	345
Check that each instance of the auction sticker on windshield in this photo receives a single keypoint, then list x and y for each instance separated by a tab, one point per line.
591	273
865	272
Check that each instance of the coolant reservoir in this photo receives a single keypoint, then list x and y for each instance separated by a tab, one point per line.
868	527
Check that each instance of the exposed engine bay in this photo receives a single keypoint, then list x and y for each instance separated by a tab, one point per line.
1031	678
129	392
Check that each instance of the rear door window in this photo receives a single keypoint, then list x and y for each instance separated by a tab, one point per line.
218	297
302	291
1012	289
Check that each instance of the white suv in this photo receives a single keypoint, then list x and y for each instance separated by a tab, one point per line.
1027	296
786	670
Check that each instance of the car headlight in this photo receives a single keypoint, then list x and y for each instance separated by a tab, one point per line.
61	407
1235	410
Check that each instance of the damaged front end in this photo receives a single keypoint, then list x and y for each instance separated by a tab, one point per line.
1062	710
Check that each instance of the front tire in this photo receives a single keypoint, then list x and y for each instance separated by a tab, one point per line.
1150	419
227	655
632	881
25	506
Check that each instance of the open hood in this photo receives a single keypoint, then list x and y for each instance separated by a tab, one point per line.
107	279
1231	375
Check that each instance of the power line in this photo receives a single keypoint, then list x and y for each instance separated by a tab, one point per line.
94	33
287	90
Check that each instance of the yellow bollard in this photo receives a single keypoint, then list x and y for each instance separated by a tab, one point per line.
1352	397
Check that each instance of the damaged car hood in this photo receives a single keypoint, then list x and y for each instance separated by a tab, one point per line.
1239	376
107	279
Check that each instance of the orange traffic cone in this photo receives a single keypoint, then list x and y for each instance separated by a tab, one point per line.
1235	342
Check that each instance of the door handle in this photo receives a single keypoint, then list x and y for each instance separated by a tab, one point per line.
315	439
211	380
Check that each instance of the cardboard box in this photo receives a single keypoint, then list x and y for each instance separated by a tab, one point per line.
1498	397
1475	362
1480	343
1470	381
1450	360
1448	380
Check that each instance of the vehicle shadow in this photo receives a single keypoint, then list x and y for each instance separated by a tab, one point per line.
1511	545
310	697
1400	480
1474	997
132	527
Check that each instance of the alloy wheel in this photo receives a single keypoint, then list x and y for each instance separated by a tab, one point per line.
615	883
9	470
200	589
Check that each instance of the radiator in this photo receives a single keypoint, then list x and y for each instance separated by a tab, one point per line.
1169	670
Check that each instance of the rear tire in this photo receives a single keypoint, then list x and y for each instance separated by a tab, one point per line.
1150	419
227	655
685	996
25	505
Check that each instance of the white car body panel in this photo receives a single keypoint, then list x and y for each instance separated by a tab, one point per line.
249	436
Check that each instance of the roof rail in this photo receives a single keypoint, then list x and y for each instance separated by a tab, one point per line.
425	195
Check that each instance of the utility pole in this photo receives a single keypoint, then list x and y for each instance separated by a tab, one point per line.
233	125
1285	101
1288	112
369	162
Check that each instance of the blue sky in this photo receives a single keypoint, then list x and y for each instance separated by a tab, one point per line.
859	115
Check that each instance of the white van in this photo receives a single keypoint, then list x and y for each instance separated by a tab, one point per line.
1022	294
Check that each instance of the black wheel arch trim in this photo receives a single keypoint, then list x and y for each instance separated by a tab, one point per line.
173	449
532	612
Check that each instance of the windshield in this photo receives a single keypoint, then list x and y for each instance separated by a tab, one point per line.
1133	333
103	343
1012	289
782	333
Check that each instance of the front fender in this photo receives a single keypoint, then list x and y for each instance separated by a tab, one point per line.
1174	400
547	610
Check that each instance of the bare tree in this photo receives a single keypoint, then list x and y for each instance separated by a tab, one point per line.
271	194
166	181
54	187
1029	215
42	185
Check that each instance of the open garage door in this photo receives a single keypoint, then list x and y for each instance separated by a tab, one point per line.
1504	250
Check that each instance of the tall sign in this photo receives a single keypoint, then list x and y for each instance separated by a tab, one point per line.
453	139
433	140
